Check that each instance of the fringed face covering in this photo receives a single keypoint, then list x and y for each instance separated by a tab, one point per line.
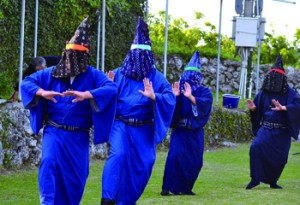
275	82
72	63
192	77
138	64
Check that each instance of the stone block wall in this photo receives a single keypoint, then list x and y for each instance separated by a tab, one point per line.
19	146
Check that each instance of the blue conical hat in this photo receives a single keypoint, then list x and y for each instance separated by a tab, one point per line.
141	37
195	63
192	73
139	61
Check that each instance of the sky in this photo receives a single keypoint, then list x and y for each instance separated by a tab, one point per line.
281	17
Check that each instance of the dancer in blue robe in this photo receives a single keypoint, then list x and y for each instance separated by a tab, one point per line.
144	111
69	99
275	120
193	107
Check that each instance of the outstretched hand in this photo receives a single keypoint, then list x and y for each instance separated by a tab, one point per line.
250	104
176	89
278	106
148	89
79	96
111	75
187	92
49	95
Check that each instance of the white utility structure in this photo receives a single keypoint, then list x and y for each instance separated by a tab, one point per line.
248	33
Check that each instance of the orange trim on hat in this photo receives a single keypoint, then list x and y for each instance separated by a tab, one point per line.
277	70
76	47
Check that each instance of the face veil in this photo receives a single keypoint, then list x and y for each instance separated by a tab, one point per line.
276	80
72	63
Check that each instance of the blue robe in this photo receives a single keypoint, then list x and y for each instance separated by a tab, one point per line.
133	148
270	147
65	154
185	157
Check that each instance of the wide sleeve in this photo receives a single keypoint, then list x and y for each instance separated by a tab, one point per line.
255	115
176	113
164	106
201	111
293	113
35	104
103	105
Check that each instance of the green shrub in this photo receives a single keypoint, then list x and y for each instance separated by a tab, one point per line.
53	32
227	125
4	140
223	125
6	84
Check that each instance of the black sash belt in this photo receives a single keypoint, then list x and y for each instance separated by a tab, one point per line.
273	125
133	121
184	122
65	127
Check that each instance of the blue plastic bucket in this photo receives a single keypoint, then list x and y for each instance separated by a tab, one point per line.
230	101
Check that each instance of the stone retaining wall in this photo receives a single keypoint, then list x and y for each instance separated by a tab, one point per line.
19	146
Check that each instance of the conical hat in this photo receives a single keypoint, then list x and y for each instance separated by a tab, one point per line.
195	63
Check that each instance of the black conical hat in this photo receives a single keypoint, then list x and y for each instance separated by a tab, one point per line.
278	63
82	34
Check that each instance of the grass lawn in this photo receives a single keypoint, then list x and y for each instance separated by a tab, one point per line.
222	181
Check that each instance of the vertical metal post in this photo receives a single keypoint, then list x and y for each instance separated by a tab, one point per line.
36	26
219	52
21	46
248	8
147	11
258	49
103	34
98	40
166	40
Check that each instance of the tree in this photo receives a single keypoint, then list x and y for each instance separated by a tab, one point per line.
58	19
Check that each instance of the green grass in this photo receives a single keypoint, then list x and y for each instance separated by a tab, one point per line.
222	181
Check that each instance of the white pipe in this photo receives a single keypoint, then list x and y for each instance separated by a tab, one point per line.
283	1
242	72
245	75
